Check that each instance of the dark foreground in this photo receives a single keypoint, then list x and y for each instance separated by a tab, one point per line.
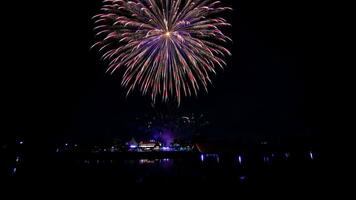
260	172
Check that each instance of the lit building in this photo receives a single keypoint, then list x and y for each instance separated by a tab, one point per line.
151	145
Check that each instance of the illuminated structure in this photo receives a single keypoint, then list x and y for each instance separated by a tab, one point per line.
149	146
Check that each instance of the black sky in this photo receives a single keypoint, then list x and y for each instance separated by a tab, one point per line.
55	86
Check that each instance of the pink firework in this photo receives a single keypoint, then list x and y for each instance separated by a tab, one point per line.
166	48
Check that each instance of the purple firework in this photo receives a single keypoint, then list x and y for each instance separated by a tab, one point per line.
166	48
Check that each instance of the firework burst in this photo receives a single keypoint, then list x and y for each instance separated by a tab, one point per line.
166	48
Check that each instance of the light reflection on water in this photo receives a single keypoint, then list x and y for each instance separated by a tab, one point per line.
14	170
196	165
239	158
211	158
203	158
311	155
147	161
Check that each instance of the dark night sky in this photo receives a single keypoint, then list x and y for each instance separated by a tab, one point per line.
55	86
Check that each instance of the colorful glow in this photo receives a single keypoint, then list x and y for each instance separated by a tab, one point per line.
166	48
166	148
